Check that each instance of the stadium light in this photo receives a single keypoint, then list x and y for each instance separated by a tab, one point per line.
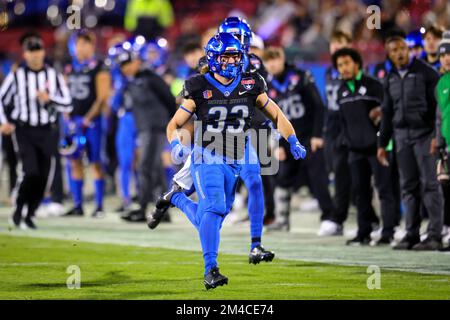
162	42
100	3
19	8
140	40
52	11
126	45
91	21
110	5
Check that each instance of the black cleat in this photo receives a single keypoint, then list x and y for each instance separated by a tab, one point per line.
16	218
214	279
407	243
358	241
429	244
137	215
158	216
163	202
162	205
74	212
29	223
383	241
259	254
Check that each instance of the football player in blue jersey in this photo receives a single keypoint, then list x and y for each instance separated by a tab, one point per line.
251	170
224	101
126	135
89	83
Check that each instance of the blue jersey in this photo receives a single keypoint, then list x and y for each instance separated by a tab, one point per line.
81	81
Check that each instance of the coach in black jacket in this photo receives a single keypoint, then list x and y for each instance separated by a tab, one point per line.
359	98
409	114
152	104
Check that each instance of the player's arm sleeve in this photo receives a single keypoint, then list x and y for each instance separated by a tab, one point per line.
311	90
387	113
7	90
61	99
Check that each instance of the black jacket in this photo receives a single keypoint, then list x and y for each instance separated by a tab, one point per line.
354	107
151	101
409	105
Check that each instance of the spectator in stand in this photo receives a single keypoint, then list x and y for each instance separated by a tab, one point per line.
148	17
431	39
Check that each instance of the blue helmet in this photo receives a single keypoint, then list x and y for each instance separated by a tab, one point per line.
239	28
123	52
154	54
414	39
113	53
73	142
220	44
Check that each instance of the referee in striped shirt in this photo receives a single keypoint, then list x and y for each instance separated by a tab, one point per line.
30	98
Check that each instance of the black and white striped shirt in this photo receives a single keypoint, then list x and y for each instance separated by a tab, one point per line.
19	90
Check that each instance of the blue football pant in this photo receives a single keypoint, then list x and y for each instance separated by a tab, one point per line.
215	185
251	176
250	173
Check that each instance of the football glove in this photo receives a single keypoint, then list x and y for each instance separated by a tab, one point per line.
297	150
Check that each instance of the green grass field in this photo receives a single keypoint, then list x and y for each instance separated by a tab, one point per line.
35	268
120	260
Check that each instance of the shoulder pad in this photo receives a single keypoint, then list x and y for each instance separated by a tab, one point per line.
193	85
259	83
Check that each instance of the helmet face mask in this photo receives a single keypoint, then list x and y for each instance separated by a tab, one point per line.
224	53
225	58
74	140
72	145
